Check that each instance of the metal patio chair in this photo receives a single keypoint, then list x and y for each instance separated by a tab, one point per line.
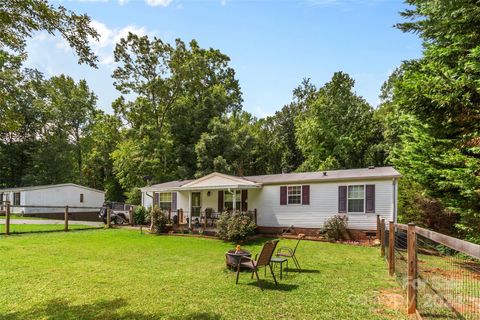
262	261
287	252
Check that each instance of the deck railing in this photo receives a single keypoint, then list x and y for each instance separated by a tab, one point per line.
440	274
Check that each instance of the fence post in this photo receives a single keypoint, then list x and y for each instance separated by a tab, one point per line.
108	217
178	217
132	216
7	218
205	222
66	218
181	215
391	249
378	227
412	269
382	237
255	215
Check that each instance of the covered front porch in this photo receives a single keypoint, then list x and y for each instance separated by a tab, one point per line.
198	204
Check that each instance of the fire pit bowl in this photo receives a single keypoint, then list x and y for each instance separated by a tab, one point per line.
232	257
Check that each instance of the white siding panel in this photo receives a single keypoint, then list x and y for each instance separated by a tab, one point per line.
62	196
323	205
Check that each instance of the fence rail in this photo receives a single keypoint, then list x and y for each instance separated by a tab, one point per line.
440	274
65	215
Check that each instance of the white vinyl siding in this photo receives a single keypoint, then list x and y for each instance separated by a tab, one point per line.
323	205
57	196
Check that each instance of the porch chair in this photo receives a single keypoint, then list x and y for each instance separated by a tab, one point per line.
287	252
262	261
208	216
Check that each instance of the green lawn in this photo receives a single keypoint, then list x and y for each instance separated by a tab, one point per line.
18	216
23	228
122	274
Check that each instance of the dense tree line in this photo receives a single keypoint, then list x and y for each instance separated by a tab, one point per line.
179	115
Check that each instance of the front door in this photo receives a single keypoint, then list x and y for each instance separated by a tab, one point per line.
196	204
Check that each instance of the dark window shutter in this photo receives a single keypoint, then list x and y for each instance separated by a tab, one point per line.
220	200
342	199
174	201
306	195
156	199
370	198
283	195
244	200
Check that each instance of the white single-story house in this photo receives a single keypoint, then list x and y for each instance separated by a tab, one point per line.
80	198
303	200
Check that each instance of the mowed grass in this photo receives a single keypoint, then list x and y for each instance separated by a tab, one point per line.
122	274
18	216
25	228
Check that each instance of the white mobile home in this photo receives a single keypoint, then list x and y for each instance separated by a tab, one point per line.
303	200
67	194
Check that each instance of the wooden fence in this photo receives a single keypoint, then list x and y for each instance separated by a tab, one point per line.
7	210
440	273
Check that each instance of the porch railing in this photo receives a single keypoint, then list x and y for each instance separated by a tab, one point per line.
179	217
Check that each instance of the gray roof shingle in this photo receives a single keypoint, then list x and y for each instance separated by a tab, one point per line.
348	174
332	175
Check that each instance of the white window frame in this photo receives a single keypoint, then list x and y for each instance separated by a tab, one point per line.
301	195
364	198
160	200
238	198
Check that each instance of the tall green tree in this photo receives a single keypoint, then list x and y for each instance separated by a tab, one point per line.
20	19
278	131
72	108
100	141
338	129
231	146
21	118
178	90
440	95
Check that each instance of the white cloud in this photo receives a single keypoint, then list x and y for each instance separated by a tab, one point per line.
108	38
155	3
262	113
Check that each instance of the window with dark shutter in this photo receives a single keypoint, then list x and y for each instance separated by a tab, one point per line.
283	195
244	200
156	199
220	201
370	198
342	199
306	195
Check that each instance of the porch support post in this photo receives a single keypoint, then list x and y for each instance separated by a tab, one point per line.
190	209
234	204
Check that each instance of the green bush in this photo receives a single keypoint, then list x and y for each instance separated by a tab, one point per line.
235	227
140	215
134	196
159	219
335	228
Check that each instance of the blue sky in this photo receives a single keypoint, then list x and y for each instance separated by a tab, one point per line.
273	45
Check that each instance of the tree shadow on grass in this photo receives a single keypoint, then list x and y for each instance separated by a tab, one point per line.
257	241
269	285
100	309
301	271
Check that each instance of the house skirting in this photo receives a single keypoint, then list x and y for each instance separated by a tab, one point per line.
354	233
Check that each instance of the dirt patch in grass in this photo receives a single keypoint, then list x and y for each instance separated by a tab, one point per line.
392	300
451	274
